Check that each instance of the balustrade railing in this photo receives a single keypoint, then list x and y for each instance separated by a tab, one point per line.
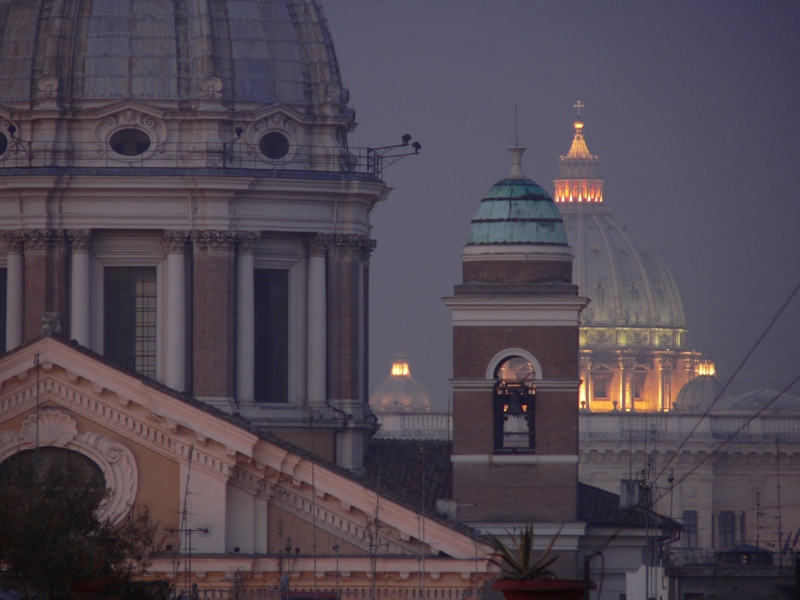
20	154
661	426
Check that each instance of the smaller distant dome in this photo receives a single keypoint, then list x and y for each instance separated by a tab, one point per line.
762	399
517	210
699	394
400	392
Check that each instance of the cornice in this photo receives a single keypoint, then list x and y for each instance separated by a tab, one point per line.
519	312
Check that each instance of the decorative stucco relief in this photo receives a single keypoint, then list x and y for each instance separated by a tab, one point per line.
59	430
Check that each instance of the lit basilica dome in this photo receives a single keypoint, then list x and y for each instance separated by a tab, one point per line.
400	392
701	392
632	333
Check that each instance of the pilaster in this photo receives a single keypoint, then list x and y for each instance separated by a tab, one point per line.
80	241
346	319
175	359
627	365
213	309
15	292
45	274
316	378
665	366
245	317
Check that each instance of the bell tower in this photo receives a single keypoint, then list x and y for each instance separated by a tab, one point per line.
515	363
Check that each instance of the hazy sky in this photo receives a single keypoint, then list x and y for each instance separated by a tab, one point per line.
692	107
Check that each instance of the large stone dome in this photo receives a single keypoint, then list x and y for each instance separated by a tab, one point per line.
632	334
263	51
629	286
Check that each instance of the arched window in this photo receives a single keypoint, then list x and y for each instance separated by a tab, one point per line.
514	398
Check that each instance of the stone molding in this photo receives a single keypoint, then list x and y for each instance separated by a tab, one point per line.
247	241
665	363
220	241
14	240
318	244
131	117
40	240
175	241
80	240
352	246
58	430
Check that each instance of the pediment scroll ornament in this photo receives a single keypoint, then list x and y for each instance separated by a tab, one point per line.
53	428
131	117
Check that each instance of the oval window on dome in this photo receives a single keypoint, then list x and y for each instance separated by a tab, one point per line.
3	143
274	145
129	142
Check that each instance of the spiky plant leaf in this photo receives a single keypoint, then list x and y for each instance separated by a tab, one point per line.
516	560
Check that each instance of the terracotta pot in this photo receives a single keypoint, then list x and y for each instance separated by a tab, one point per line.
540	589
91	586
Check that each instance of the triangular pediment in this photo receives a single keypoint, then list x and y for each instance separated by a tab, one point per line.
125	105
232	471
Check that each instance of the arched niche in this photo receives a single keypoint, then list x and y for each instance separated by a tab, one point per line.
504	355
53	428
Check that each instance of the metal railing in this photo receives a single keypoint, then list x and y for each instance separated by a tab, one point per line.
20	154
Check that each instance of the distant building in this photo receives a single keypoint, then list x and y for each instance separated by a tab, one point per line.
653	412
403	407
633	333
178	197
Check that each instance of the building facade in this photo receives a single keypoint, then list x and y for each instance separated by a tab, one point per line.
515	374
192	214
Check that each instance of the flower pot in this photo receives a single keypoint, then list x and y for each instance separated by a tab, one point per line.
91	587
540	589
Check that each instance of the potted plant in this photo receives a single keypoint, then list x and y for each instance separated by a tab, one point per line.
526	576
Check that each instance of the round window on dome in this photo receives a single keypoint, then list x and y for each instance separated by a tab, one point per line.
3	143
274	145
129	142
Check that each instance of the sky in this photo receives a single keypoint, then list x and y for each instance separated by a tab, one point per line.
693	108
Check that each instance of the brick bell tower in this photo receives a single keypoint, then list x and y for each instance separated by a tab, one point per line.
516	365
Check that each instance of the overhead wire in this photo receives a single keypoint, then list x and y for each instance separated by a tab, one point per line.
729	381
635	513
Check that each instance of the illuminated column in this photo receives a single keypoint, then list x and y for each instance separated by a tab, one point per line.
15	296
627	365
586	387
245	318
665	365
175	359
691	364
80	286
317	320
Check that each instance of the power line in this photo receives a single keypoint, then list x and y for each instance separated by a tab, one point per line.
737	432
634	513
730	380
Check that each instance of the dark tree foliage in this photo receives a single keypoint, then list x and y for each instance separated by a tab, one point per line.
52	541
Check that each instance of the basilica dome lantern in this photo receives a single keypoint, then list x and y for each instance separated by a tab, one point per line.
633	354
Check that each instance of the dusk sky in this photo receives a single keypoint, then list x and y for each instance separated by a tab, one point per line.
692	107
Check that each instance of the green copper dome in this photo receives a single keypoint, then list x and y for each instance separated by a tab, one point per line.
517	210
